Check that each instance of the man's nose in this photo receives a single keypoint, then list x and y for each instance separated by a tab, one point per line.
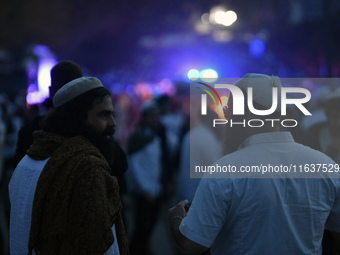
112	122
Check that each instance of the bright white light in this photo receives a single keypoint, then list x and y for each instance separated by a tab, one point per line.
44	77
193	74
43	81
230	18
208	75
220	17
213	13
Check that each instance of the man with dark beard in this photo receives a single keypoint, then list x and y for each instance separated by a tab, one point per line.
63	199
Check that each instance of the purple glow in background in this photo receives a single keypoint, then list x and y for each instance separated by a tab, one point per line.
38	92
38	73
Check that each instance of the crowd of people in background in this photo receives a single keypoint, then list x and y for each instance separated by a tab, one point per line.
153	139
157	118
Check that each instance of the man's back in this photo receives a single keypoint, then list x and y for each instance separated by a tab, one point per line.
283	215
276	216
21	189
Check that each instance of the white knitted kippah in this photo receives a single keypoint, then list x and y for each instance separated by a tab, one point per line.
262	88
74	89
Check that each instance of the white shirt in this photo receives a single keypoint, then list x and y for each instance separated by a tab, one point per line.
265	215
146	168
21	194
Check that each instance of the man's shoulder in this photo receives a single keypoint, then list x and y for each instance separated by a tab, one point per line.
79	144
310	152
80	150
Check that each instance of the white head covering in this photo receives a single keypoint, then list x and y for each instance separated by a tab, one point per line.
74	89
262	88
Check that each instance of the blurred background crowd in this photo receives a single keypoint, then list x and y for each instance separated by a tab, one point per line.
148	50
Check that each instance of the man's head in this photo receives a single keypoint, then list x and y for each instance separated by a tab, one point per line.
83	107
164	103
262	89
62	73
150	115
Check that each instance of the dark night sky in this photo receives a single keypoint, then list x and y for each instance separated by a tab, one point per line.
106	35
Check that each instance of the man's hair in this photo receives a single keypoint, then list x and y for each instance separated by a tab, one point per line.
62	73
68	120
274	115
257	106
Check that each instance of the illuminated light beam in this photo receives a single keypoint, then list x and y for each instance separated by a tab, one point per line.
193	74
